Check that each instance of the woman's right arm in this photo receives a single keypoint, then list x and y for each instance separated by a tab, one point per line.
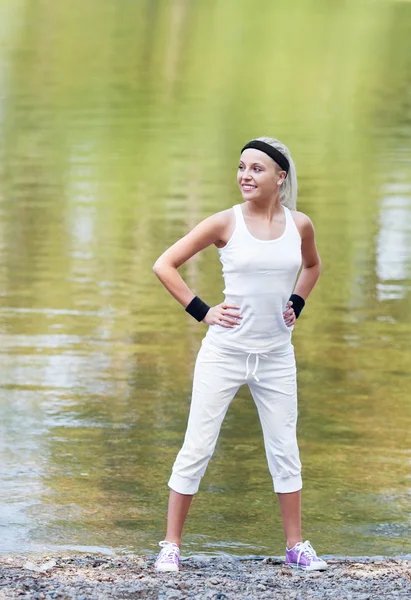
208	232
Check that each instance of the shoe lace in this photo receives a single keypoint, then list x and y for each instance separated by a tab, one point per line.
170	551
306	548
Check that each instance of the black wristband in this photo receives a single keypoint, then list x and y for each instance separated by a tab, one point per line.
298	304
197	308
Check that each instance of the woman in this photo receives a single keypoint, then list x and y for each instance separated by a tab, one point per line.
262	244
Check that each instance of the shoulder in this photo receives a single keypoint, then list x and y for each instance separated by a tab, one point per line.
214	229
223	224
222	220
303	223
223	217
216	222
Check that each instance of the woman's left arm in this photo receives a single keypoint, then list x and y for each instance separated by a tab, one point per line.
311	259
311	265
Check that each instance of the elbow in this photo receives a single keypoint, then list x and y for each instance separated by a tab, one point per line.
318	268
314	266
314	269
160	267
157	268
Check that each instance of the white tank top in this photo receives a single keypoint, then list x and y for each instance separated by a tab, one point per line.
259	277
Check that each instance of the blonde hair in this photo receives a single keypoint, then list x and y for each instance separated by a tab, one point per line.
288	189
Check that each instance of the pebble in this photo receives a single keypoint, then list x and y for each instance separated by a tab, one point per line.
316	574
174	595
84	577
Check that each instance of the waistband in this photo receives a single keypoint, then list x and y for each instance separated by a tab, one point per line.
249	352
278	349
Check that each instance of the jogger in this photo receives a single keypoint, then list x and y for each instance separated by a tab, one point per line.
218	374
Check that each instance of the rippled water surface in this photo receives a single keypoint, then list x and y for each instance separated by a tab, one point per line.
120	128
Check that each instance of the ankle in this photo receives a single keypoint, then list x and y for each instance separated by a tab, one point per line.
292	542
173	540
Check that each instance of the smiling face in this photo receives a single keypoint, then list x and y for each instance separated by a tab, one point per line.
259	177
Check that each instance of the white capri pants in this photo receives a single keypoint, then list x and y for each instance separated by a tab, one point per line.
218	374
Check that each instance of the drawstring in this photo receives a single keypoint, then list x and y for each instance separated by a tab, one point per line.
257	357
246	366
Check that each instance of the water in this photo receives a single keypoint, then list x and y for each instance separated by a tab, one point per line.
120	127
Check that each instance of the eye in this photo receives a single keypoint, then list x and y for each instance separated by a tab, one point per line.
240	167
257	169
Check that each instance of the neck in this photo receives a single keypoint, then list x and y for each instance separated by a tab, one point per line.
266	207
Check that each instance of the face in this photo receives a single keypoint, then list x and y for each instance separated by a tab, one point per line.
258	175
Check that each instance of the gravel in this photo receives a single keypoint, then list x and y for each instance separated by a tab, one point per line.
94	577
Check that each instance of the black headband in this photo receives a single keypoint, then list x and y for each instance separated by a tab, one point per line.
272	152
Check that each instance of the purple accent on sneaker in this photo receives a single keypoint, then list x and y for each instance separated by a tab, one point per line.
303	556
168	558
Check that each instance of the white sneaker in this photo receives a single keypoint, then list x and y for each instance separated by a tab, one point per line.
169	557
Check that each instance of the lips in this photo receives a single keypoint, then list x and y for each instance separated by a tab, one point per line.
248	188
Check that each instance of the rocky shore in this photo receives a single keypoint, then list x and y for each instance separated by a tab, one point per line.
99	577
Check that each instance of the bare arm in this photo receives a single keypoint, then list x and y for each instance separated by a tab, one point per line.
208	232
203	235
311	260
311	264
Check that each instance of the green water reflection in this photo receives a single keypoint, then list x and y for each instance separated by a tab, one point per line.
120	124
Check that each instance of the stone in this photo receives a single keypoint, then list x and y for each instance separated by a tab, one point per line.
174	595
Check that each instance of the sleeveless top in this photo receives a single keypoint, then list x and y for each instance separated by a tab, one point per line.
259	277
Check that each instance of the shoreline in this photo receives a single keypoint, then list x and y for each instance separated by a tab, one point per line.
97	576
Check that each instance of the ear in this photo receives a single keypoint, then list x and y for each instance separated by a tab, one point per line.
281	177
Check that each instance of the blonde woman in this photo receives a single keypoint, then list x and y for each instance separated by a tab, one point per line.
262	243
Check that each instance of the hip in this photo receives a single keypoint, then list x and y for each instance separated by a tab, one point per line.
246	340
215	363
